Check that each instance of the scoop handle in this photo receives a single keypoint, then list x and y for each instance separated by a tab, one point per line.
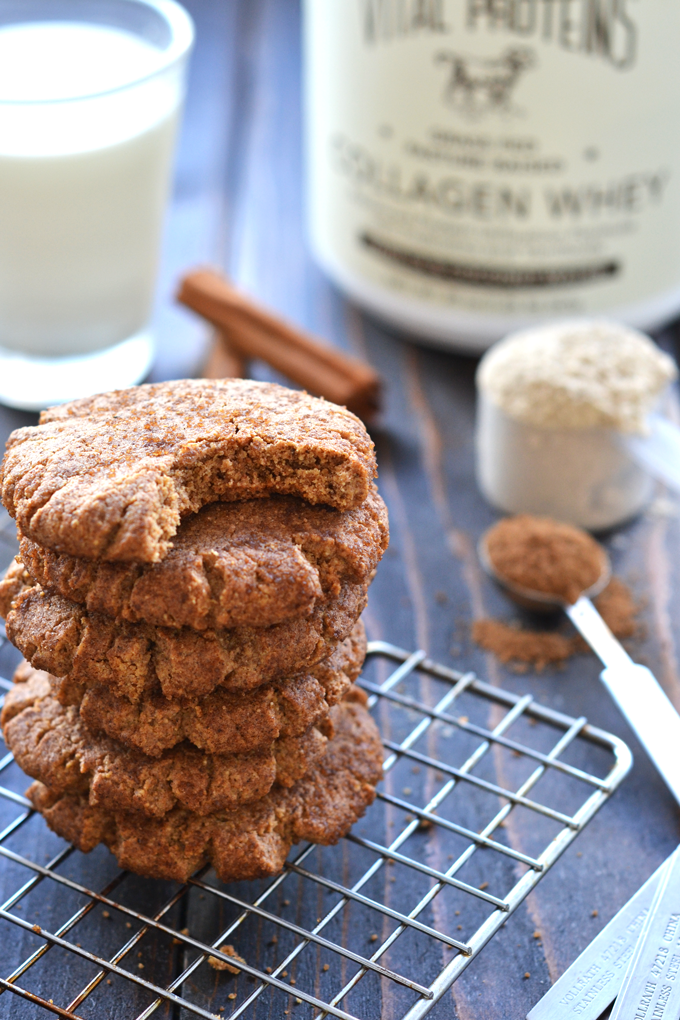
658	452
637	693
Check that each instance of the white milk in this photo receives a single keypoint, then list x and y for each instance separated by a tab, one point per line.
84	174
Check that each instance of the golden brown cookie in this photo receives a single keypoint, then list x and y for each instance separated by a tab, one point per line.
109	477
61	637
249	842
220	723
16	580
248	564
51	744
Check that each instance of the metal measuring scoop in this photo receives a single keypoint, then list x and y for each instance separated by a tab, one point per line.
632	686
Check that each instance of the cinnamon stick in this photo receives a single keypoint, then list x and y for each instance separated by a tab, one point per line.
253	332
223	362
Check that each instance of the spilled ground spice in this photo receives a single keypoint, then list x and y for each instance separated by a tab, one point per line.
524	648
513	644
218	964
545	555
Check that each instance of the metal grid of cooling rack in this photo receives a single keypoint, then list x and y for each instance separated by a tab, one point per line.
499	786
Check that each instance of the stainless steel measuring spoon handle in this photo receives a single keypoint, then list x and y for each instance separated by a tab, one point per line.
593	980
651	985
637	693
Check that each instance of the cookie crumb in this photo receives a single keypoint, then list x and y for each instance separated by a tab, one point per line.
483	886
285	903
140	966
128	924
105	913
373	938
268	970
425	824
218	964
232	996
526	974
595	913
326	966
460	927
537	934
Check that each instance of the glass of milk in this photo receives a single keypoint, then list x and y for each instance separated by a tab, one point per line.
90	95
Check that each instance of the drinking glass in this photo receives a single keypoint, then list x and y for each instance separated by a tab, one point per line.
90	98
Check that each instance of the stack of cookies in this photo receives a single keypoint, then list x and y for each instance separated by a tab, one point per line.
194	560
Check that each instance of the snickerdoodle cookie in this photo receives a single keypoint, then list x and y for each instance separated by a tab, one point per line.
221	722
249	842
51	743
63	638
248	564
111	476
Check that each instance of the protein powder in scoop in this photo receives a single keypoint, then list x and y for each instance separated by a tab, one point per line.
553	405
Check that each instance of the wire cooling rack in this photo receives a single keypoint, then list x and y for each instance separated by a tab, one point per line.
483	791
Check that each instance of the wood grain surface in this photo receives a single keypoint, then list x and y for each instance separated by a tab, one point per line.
238	204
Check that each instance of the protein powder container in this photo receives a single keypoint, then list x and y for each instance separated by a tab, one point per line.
555	406
476	166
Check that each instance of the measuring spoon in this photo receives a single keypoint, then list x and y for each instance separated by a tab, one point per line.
633	687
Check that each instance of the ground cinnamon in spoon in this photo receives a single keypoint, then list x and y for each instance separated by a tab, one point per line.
545	555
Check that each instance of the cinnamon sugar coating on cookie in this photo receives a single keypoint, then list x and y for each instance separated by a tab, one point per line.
221	722
110	477
252	564
249	842
51	744
61	637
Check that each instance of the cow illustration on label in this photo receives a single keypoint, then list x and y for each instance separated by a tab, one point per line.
481	85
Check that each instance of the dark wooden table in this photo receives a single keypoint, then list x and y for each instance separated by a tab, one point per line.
238	204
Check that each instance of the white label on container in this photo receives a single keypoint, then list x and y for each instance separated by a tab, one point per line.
511	157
